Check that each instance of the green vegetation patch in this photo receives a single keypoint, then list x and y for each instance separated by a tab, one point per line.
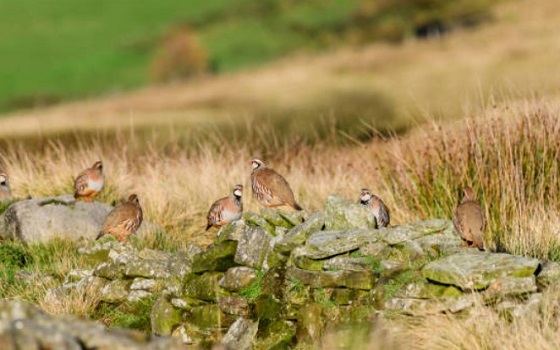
255	288
130	315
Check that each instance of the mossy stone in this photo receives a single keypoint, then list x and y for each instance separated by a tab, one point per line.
306	263
310	324
253	247
164	317
268	307
210	317
476	270
234	305
299	234
115	291
204	287
217	257
276	335
341	214
237	278
325	279
255	220
147	268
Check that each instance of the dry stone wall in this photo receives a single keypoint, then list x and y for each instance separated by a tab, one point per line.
275	279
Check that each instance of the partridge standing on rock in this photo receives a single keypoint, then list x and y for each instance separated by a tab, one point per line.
5	192
378	208
269	187
124	220
469	220
89	182
226	209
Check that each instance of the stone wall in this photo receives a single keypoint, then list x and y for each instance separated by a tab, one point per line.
276	279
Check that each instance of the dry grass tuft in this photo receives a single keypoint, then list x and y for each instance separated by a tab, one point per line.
484	329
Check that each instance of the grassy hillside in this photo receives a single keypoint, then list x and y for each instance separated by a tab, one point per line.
486	114
59	50
346	93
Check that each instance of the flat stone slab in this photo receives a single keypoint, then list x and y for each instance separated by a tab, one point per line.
326	279
341	214
324	244
477	270
422	307
253	247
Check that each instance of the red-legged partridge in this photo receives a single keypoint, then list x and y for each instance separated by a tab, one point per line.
469	220
89	182
270	188
5	192
226	209
124	220
377	207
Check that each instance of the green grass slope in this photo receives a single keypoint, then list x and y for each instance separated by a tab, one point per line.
59	50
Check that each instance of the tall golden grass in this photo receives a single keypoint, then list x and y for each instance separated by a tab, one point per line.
508	153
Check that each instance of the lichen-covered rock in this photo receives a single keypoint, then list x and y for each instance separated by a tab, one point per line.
348	263
27	327
99	253
325	244
477	270
310	324
115	291
255	220
516	309
273	217
306	263
147	268
253	247
240	335
204	287
341	215
143	284
507	286
278	334
422	307
217	257
234	305
299	234
42	219
109	270
237	278
164	317
231	232
137	295
210	317
269	307
416	230
424	290
549	274
324	279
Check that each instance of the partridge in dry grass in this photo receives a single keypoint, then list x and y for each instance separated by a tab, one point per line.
89	182
124	220
226	209
270	188
5	192
377	207
469	220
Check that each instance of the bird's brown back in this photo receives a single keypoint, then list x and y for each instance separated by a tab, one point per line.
275	185
469	222
126	217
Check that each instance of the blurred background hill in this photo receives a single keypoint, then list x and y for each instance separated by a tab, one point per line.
314	67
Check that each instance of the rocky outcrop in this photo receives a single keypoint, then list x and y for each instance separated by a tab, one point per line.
42	219
275	279
23	326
